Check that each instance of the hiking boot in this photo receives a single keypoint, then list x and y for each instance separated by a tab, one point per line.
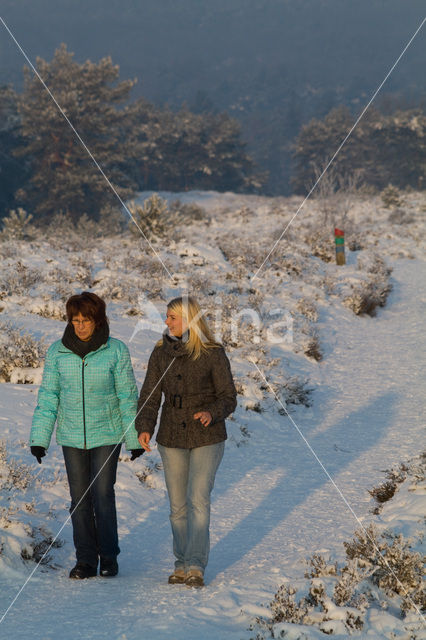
82	571
177	577
194	578
108	567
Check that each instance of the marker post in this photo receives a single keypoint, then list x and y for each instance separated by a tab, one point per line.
339	239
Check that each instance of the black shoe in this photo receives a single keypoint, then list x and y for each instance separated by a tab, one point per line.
109	567
83	570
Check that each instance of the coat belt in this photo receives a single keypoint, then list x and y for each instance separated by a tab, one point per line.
181	402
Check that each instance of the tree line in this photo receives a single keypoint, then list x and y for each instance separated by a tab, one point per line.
383	149
45	168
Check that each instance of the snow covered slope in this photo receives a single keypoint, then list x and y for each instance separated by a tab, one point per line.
360	408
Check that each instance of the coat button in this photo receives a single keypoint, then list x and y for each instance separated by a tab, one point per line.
183	425
176	347
179	376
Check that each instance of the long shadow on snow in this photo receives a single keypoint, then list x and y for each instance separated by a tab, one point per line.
360	431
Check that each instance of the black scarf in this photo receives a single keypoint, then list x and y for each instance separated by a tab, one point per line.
80	347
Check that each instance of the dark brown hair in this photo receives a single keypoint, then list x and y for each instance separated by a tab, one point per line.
89	305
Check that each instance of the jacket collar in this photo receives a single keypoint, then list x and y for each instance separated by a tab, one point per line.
64	349
174	347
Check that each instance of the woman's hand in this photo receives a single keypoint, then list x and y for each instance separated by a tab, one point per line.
144	439
204	417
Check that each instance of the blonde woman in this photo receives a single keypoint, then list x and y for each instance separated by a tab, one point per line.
193	373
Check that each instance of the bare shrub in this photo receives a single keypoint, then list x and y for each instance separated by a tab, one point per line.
334	194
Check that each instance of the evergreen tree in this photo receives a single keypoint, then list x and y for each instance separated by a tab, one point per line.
183	150
381	149
13	172
64	177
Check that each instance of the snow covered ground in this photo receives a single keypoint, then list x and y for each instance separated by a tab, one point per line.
274	505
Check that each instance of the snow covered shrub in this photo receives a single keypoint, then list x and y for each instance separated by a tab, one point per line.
241	252
373	263
399	216
41	543
62	233
17	225
320	567
372	292
382	493
367	297
127	276
285	608
308	309
19	352
321	244
391	197
311	347
13	474
112	221
295	391
188	212
393	567
381	573
153	218
355	244
17	279
147	475
48	308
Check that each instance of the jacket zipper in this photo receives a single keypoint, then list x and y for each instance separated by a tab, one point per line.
84	413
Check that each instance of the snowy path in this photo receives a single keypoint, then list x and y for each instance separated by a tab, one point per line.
273	504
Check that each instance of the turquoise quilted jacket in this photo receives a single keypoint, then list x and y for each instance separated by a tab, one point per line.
93	400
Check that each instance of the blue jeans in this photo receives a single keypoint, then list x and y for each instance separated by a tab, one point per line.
190	475
93	514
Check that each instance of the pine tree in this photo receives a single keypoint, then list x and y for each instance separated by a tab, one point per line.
184	150
64	178
13	172
382	149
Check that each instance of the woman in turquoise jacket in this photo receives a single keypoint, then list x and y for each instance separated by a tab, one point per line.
89	389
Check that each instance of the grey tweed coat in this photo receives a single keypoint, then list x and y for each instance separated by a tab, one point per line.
188	386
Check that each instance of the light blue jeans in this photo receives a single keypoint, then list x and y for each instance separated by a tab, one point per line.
190	475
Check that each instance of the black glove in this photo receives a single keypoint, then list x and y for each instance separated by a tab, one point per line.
38	452
136	453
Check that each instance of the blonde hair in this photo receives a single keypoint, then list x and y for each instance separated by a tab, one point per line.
200	337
